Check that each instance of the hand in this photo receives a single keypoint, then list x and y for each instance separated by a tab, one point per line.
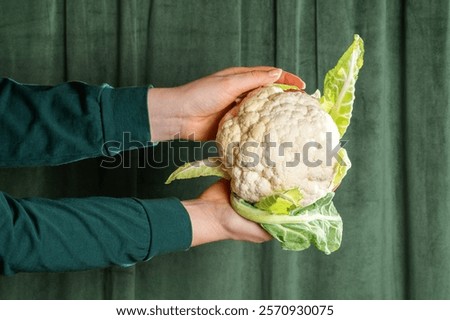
194	110
214	219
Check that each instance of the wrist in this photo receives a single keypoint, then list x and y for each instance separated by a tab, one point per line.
205	220
164	114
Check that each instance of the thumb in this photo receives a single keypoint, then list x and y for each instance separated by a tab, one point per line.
243	82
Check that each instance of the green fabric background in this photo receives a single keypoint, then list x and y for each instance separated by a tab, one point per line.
394	202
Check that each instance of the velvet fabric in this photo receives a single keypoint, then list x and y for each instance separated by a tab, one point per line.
394	201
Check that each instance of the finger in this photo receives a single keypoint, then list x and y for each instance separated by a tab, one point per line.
237	70
285	78
264	236
292	79
256	234
239	83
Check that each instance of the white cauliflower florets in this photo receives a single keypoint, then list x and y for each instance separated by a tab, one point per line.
262	146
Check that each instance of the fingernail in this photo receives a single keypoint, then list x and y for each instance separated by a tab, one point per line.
276	73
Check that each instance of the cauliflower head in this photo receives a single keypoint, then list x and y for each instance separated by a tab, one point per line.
280	149
277	140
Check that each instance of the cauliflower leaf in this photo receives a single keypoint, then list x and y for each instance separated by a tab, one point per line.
341	168
319	224
201	168
281	203
285	87
339	85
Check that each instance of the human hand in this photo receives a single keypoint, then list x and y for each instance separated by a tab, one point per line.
214	219
194	110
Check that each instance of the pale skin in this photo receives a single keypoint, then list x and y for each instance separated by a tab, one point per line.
193	111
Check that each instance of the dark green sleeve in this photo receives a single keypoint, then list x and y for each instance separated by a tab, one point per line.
43	125
79	234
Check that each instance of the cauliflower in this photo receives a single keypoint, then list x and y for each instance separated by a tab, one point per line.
278	149
297	127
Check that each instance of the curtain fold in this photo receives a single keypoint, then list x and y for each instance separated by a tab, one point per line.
394	201
426	124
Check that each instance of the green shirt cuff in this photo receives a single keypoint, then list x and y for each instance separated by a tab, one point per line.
125	118
170	226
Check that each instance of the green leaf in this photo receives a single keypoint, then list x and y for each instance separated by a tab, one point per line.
339	86
285	87
281	203
341	169
318	223
202	168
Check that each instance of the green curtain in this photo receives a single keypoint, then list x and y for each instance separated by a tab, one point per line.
395	201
